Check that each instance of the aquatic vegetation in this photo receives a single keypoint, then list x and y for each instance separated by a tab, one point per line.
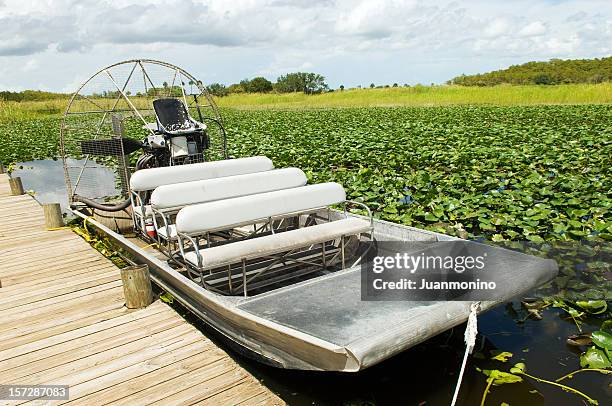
503	173
496	377
101	243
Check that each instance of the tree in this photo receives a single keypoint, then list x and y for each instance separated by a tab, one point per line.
236	88
372	85
257	85
301	82
217	89
542	79
553	72
341	87
395	85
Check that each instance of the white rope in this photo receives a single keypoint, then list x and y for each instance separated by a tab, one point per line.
471	331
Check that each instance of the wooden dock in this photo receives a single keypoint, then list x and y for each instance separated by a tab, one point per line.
63	322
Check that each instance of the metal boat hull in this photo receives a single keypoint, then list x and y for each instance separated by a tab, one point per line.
321	323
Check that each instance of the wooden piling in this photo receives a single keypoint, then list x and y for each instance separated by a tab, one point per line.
16	186
2	170
53	216
137	286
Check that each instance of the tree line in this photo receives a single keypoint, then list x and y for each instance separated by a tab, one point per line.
305	82
30	95
553	72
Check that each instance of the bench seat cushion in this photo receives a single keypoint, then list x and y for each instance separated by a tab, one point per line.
276	243
178	195
223	214
151	178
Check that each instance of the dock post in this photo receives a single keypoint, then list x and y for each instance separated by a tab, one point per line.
137	286
2	170
16	186
53	216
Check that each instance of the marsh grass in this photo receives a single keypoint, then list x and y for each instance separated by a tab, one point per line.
10	110
429	96
504	95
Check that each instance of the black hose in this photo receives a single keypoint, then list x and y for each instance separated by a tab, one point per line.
142	162
100	206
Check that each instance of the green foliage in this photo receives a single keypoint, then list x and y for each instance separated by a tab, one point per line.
536	173
235	88
519	370
217	89
594	358
307	83
31	95
101	243
502	356
599	355
554	72
516	173
256	85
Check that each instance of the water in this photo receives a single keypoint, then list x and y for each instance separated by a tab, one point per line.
46	179
425	374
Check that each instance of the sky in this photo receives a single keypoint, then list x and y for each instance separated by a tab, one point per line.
57	44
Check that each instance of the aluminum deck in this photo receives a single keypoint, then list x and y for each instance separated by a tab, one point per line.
63	321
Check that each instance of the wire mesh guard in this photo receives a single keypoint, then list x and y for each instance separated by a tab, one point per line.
110	121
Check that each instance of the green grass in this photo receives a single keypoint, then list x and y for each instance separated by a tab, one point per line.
428	96
387	97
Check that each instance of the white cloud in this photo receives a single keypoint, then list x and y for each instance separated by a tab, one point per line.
533	29
496	28
245	37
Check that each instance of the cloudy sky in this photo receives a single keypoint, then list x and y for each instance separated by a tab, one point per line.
56	44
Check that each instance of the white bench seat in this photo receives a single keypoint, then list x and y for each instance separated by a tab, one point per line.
276	243
229	213
147	180
178	195
151	178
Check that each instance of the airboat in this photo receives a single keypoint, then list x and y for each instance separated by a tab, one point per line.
271	262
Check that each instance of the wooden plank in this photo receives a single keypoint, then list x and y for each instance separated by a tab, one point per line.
64	322
36	313
205	389
64	292
241	393
39	331
118	360
100	342
165	380
127	331
61	274
54	256
71	334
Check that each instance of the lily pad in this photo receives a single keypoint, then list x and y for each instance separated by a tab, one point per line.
593	306
594	358
602	339
503	356
501	377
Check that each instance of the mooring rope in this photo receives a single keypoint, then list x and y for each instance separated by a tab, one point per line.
471	331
